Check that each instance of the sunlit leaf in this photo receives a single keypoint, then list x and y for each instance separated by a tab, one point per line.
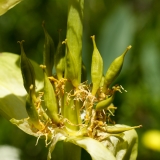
5	5
12	92
123	145
93	147
118	146
24	126
115	147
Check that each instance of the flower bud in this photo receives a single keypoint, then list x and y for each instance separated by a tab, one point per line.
50	101
72	68
104	103
96	68
32	111
27	71
48	53
116	129
59	60
114	69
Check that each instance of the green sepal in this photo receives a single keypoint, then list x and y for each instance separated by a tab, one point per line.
27	70
96	67
114	69
48	53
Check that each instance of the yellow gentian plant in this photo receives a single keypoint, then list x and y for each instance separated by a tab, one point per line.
68	108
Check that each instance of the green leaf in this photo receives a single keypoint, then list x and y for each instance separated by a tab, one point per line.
5	5
12	92
93	147
121	146
23	124
131	138
124	145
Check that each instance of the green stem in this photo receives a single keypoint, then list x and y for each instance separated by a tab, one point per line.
74	42
71	151
70	110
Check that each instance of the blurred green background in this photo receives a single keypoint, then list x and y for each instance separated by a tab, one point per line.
116	25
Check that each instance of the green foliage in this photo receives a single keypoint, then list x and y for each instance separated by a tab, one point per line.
12	100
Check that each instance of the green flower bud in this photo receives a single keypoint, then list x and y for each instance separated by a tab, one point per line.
32	111
114	69
59	60
49	51
102	81
50	102
109	99
27	71
71	69
104	103
96	68
116	129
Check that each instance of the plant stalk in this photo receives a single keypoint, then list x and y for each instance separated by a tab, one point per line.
74	42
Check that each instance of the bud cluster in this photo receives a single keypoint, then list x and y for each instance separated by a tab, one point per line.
90	105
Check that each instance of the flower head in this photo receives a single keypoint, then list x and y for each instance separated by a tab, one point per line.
91	105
